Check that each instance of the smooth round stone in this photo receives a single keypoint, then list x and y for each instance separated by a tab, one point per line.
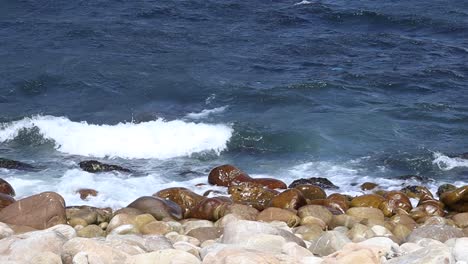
187	247
277	214
124	230
316	211
417	192
184	197
461	220
156	228
242	211
366	213
394	201
85	193
270	183
205	233
165	256
6	188
311	192
359	233
6	200
328	243
251	194
311	220
401	232
157	207
343	220
91	231
437	232
367	200
309	232
119	220
143	219
289	199
209	208
405	220
227	175
457	199
191	224
77	221
460	250
368	186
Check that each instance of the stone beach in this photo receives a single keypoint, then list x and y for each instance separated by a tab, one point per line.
255	221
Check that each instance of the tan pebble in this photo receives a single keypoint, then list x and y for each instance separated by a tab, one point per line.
77	221
143	219
156	228
310	220
103	225
91	231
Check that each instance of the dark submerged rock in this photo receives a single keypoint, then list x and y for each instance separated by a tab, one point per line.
13	164
95	166
317	181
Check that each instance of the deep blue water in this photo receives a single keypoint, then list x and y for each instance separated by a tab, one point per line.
375	85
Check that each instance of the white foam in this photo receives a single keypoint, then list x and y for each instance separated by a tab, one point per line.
158	139
206	112
446	163
303	2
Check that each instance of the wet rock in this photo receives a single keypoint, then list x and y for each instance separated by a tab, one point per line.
445	188
39	211
427	208
16	165
418	178
317	181
85	193
367	200
184	197
328	243
241	211
251	194
311	192
368	186
366	213
227	175
405	220
209	209
6	188
92	215
157	207
277	214
206	233
438	232
335	207
457	199
289	199
94	166
316	211
270	183
394	201
461	220
434	254
418	192
5	200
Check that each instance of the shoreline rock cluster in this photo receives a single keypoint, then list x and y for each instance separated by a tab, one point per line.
261	220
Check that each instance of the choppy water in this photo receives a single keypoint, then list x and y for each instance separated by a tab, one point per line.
351	90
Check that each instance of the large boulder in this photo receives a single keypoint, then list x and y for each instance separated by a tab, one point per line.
184	197
39	211
227	175
457	199
311	192
94	166
157	207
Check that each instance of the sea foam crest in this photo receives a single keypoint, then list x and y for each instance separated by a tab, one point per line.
158	139
206	112
447	163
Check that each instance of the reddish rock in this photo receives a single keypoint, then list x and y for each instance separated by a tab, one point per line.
5	200
336	207
289	199
367	200
85	193
395	200
227	175
277	214
209	209
39	211
157	207
427	208
311	192
6	188
252	194
184	197
456	200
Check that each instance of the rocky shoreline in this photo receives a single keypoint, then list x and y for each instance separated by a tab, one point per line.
256	221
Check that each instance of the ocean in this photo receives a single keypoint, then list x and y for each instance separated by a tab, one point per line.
354	91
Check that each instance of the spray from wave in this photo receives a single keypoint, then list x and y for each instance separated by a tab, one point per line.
158	139
447	163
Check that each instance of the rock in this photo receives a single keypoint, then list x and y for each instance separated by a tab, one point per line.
46	258
85	193
359	233
334	206
277	214
206	233
241	211
227	175
231	255
316	211
418	192
120	220
94	166
5	200
157	207
92	215
129	211
13	164
6	188
461	220
91	231
394	201
25	247
385	245
236	232
264	243
368	186
427	208
30	211
94	250
270	183
189	224
328	243
311	192
367	200
76	221
5	231
184	197
437	232
295	251
401	232
460	251
354	253
445	188
143	219
317	181
309	232
165	256
251	194
366	213
187	247
209	209
457	199
156	228
405	220
343	220
435	254
124	230
289	199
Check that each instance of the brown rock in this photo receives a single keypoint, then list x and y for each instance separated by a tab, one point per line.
395	200
209	209
344	220
90	214
5	200
270	183
401	232
405	220
366	213
184	197
277	214
316	211
309	232
157	207
317	181
227	175
39	211
461	220
156	228
311	192
445	188
336	207
206	233
427	208
251	194
241	211
367	200
457	199
6	188
85	193
418	192
128	210
368	186
289	199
